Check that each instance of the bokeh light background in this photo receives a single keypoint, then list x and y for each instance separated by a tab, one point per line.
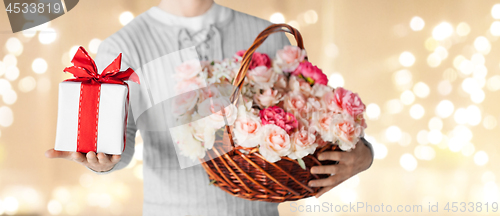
428	71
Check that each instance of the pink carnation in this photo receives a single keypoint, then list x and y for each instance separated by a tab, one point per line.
277	116
311	73
258	59
350	102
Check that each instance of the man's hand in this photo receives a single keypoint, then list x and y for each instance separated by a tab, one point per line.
350	164
100	162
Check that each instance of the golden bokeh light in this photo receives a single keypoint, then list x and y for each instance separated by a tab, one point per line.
47	36
372	111
482	45
277	18
14	46
495	11
6	116
94	45
417	23
408	162
435	123
463	29
393	133
445	109
481	158
406	59
126	17
445	87
424	152
495	28
421	90
490	122
407	97
311	17
442	31
336	80
417	111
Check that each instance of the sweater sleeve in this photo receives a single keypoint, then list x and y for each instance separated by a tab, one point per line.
105	55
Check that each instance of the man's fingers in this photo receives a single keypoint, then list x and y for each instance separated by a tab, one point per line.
103	158
323	191
79	158
115	159
92	158
327	182
51	153
326	169
331	155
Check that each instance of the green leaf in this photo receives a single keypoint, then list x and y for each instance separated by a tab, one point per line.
310	80
212	182
301	163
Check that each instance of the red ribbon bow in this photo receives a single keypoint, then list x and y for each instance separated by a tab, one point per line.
85	70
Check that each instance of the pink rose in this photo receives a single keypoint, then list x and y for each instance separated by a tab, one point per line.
346	131
297	84
289	58
275	143
321	123
188	69
331	102
350	102
258	59
262	77
268	97
311	73
303	143
277	116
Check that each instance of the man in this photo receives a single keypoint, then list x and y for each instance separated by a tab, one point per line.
217	32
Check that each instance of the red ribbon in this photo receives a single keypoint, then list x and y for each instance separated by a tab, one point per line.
85	71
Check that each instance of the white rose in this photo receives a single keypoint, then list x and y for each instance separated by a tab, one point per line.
246	128
262	77
218	111
188	145
303	143
346	130
185	102
203	133
275	143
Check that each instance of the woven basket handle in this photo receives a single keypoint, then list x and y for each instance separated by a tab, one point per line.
247	57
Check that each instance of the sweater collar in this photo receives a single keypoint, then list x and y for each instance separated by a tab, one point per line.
216	14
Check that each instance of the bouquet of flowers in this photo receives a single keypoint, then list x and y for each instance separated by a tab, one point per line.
286	108
257	125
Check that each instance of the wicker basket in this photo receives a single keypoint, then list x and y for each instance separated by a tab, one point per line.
248	175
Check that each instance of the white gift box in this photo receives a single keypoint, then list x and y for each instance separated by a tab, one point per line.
111	124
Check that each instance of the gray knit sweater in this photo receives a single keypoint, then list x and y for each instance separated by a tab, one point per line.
168	189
